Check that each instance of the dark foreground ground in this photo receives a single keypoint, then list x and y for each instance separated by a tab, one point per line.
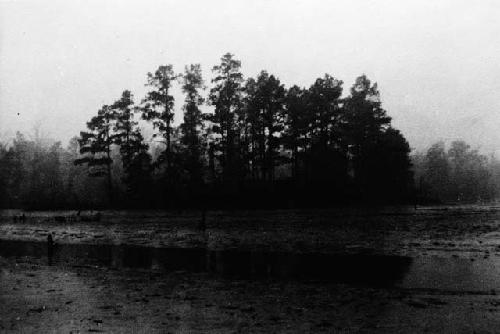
333	271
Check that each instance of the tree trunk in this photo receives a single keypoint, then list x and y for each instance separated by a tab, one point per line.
110	183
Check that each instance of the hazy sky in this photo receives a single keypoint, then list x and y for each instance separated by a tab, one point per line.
437	63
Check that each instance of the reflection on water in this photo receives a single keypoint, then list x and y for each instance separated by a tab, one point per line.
353	269
456	274
453	274
450	274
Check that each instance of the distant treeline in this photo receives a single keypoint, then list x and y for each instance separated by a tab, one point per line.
457	174
262	145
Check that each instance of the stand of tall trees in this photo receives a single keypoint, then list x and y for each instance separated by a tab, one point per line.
192	140
258	144
457	174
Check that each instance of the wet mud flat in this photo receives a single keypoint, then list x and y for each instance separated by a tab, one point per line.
126	285
120	289
464	231
360	269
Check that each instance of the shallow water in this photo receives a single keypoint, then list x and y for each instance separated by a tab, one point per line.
453	274
355	269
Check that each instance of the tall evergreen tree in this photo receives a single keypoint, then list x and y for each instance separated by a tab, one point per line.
324	102
251	128
95	146
134	152
469	174
365	121
325	157
436	172
226	97
192	83
158	109
21	166
266	99
365	118
388	162
297	120
75	176
11	175
53	176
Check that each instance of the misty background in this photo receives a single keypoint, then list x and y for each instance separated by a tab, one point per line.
435	62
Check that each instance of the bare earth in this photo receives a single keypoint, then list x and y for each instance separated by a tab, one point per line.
83	297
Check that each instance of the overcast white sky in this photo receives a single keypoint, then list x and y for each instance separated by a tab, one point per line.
437	62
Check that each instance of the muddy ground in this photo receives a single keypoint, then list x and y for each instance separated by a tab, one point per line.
83	296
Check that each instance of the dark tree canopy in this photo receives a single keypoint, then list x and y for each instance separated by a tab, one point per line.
458	174
257	143
226	97
95	146
264	121
158	109
133	150
192	126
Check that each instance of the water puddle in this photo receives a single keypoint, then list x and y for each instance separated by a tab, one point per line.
452	274
355	269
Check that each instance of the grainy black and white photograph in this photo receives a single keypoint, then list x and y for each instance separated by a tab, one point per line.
237	166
